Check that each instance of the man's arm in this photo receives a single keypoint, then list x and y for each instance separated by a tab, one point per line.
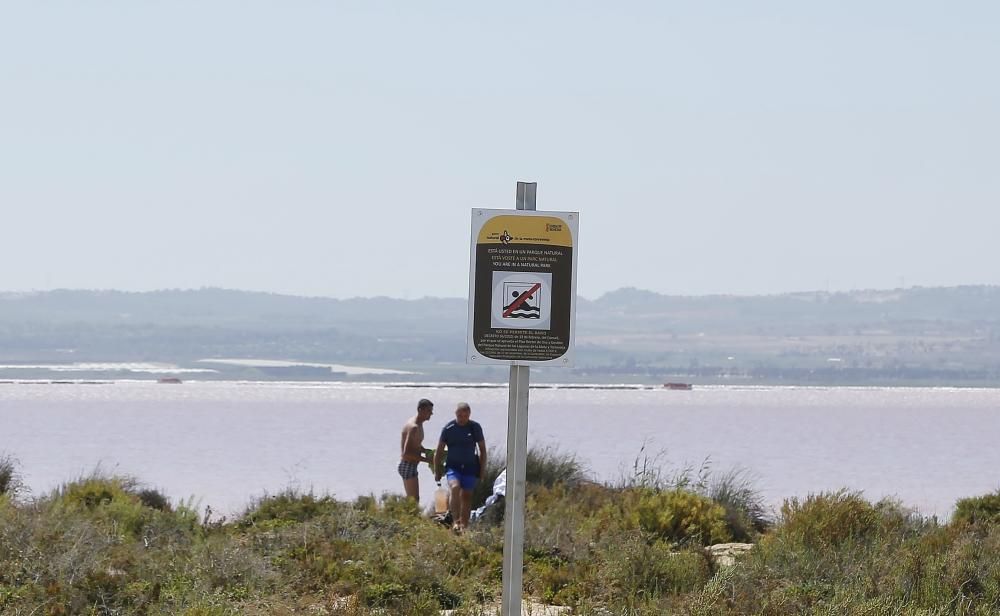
482	459
438	460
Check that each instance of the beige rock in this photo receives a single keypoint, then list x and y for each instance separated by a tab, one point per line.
725	554
349	602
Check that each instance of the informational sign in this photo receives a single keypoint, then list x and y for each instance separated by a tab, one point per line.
522	287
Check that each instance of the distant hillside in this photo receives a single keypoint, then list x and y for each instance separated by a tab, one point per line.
799	311
917	335
228	308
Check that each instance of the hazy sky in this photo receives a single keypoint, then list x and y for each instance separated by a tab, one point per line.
336	149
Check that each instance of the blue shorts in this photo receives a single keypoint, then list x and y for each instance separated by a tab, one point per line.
467	482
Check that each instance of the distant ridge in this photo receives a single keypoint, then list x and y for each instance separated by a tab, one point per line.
631	294
926	335
229	307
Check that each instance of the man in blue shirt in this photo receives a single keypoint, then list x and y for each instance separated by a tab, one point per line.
464	465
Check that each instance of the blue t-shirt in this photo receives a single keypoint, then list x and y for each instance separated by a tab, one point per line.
461	442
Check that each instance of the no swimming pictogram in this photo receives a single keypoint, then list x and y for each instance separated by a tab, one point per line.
521	300
525	304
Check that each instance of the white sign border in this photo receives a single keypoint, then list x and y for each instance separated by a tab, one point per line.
480	216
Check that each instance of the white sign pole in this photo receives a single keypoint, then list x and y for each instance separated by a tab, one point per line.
517	454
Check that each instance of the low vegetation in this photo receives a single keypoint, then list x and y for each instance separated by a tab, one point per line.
10	479
107	545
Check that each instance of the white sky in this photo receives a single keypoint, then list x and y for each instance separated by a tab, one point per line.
336	148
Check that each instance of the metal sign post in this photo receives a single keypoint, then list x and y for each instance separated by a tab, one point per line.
513	521
522	311
517	454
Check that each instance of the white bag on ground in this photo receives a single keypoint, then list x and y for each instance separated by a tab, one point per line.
499	491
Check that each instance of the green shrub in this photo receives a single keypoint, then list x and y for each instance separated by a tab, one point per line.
551	580
639	569
735	490
210	610
548	466
567	520
398	506
746	515
978	509
679	515
289	505
10	479
384	594
365	503
154	499
829	519
97	546
106	500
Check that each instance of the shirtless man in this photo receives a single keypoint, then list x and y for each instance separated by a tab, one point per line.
412	448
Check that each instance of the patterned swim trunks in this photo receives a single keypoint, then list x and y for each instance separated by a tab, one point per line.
407	470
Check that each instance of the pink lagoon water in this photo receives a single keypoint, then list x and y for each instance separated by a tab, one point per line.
224	443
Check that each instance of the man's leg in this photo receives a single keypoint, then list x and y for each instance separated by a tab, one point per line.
466	507
411	480
455	502
412	487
